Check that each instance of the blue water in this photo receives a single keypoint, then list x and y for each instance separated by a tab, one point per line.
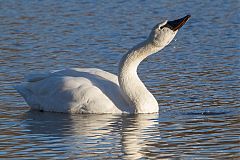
195	79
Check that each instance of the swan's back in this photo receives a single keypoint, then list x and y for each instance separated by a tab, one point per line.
76	90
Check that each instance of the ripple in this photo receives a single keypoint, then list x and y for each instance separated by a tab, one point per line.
195	79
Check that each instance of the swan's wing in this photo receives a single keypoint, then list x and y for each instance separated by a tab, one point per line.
75	91
33	77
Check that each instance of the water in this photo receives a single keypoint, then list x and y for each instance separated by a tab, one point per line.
195	79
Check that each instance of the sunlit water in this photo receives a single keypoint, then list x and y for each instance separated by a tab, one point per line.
195	79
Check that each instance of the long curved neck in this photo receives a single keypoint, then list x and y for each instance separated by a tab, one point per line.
133	89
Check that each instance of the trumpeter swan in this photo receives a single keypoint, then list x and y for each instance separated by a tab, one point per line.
91	90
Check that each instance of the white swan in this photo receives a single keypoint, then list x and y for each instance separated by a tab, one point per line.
93	90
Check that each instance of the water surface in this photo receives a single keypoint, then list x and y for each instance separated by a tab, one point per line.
195	79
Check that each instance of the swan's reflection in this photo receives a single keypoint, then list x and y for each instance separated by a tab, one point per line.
136	131
124	135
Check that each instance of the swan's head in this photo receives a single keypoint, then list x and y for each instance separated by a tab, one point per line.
163	33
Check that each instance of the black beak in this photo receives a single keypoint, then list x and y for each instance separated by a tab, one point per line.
177	24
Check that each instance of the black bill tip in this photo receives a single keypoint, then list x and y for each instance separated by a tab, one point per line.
177	24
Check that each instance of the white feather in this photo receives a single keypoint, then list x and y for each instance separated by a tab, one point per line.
92	90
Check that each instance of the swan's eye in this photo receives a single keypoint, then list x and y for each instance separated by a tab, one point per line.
160	28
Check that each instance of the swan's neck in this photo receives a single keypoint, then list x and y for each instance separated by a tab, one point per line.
131	86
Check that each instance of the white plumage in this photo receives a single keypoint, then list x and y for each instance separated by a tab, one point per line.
87	90
91	90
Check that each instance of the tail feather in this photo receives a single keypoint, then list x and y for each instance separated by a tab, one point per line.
22	90
36	77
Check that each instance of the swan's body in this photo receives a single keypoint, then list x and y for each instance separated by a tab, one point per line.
77	90
93	90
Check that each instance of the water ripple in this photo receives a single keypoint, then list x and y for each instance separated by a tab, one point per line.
195	79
